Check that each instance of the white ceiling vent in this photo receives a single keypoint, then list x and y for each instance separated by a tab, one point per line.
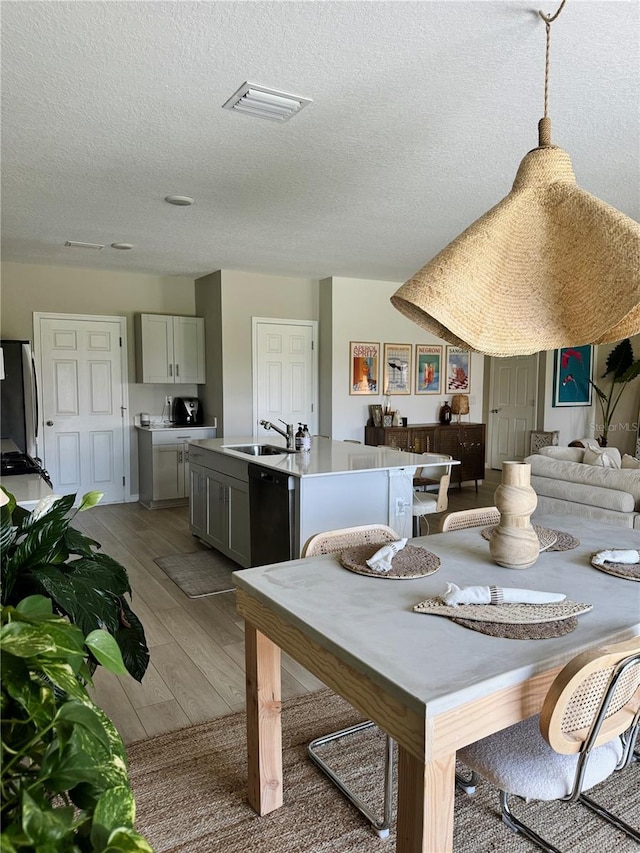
265	103
74	244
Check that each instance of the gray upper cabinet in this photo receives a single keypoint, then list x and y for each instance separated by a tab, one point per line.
170	350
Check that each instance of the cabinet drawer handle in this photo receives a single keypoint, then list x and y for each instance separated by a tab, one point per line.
177	370
170	370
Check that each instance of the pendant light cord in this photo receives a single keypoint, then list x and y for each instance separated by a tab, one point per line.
544	125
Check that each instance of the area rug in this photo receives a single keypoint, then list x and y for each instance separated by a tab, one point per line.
199	573
190	786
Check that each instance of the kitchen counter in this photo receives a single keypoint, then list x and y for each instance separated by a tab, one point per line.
155	427
261	509
27	489
326	457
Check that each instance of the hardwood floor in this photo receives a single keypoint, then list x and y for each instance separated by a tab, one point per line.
196	671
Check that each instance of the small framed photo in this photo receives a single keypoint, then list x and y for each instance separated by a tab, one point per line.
397	368
572	375
458	377
375	413
364	368
428	368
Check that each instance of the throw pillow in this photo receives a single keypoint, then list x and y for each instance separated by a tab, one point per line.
605	457
630	462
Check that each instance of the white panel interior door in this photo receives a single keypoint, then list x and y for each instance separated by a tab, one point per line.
284	374
512	407
83	405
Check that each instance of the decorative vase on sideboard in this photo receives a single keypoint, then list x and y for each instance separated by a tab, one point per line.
514	543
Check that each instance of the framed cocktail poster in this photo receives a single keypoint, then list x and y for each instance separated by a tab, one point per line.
572	375
428	368
364	368
458	376
397	368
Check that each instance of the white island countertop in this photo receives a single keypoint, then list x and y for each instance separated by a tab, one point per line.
325	457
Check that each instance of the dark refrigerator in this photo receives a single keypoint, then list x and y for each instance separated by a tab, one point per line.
18	400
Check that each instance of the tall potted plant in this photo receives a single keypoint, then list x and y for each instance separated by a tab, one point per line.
43	554
64	780
621	369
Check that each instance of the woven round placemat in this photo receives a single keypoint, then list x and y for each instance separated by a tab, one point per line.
537	631
411	562
628	571
564	542
546	536
512	614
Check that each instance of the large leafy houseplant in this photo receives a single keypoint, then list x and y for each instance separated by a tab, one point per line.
621	369
64	781
43	554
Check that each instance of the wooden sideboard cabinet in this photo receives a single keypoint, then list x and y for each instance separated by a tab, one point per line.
463	441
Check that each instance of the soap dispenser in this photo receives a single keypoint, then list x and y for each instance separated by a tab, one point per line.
299	440
306	438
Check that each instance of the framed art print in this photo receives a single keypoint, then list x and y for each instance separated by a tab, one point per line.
458	379
572	375
364	368
428	368
397	368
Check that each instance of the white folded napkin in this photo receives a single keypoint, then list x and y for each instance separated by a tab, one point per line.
454	595
381	560
616	556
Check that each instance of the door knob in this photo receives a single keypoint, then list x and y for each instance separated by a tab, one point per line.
494	411
49	423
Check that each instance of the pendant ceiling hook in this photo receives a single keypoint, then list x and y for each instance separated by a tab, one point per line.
548	19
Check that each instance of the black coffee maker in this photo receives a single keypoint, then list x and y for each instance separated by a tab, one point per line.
187	410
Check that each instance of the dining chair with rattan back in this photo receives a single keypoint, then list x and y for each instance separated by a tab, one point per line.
481	516
585	731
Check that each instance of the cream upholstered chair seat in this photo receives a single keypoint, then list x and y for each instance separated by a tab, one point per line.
586	730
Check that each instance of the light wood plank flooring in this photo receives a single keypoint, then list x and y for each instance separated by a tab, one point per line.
196	671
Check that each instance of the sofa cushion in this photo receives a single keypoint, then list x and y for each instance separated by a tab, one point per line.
588	475
605	457
583	494
630	462
563	454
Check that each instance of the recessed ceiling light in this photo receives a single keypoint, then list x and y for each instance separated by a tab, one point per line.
122	245
180	200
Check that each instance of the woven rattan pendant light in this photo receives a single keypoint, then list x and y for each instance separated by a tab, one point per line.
549	266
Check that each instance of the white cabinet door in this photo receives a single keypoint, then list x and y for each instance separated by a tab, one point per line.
198	507
216	511
156	333
188	350
168	472
238	529
170	350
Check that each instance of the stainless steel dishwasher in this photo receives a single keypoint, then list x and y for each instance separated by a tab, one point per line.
271	503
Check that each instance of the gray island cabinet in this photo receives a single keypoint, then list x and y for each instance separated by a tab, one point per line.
262	509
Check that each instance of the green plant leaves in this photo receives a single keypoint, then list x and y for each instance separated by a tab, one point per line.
619	360
90	499
106	651
55	741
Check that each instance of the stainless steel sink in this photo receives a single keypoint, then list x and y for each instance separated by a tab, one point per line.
258	449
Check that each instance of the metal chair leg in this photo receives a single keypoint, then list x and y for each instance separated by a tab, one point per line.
605	814
380	826
516	825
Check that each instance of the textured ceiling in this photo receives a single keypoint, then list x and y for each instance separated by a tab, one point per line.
421	114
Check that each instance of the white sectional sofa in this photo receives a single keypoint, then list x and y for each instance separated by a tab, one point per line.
566	485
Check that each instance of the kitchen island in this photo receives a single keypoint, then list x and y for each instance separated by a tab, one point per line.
262	509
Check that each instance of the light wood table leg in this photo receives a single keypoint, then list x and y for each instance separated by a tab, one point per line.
264	730
425	804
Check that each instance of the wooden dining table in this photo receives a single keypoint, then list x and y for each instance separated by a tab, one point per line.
431	684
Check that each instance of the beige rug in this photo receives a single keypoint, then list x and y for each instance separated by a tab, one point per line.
190	794
199	573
